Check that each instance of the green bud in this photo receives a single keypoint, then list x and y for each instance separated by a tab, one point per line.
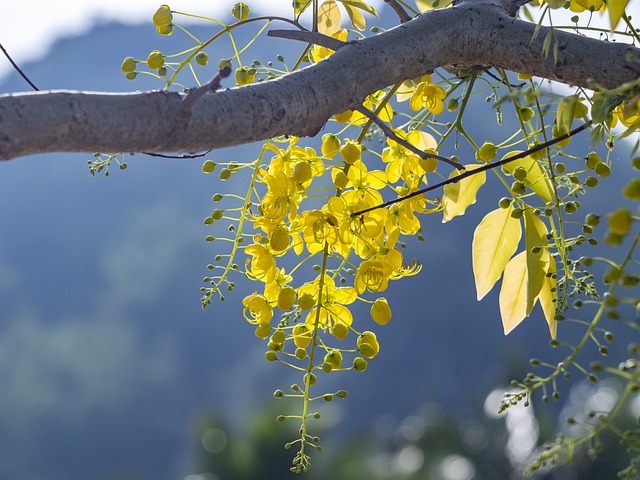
202	59
359	364
128	65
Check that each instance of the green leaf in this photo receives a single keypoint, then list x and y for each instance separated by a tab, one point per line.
535	235
536	178
495	240
513	293
616	9
458	196
548	297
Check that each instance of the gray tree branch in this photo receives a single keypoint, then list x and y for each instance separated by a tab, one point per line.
301	102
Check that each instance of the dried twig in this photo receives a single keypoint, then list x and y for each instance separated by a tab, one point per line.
18	69
483	168
402	14
393	136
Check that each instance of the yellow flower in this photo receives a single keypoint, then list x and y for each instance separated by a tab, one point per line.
319	227
333	314
257	309
430	97
373	275
262	265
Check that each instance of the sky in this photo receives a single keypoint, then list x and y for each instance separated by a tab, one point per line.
30	27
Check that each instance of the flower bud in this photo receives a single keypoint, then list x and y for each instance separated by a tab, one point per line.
163	16
240	11
380	311
359	364
301	335
128	65
306	301
279	239
302	172
202	59
350	152
330	145
155	59
286	298
487	152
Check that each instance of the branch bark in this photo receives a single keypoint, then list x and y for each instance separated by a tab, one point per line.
301	102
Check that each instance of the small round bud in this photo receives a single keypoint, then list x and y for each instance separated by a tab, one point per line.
301	353
240	11
225	174
593	159
504	202
263	330
342	393
520	173
526	113
350	152
330	145
271	356
602	170
155	59
163	16
518	187
202	59
279	240
380	311
333	358
302	335
340	330
487	152
302	172
306	301
341	180
359	364
517	213
286	298
128	65
278	393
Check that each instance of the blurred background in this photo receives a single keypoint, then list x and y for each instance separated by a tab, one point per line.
110	369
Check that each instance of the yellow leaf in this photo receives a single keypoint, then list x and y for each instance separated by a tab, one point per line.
494	242
537	255
536	178
329	17
458	196
513	293
548	297
616	9
357	19
359	4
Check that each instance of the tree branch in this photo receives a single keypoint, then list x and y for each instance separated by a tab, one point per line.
301	102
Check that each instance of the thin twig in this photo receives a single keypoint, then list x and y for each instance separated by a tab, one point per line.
18	69
483	168
316	38
180	157
402	14
393	136
211	86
